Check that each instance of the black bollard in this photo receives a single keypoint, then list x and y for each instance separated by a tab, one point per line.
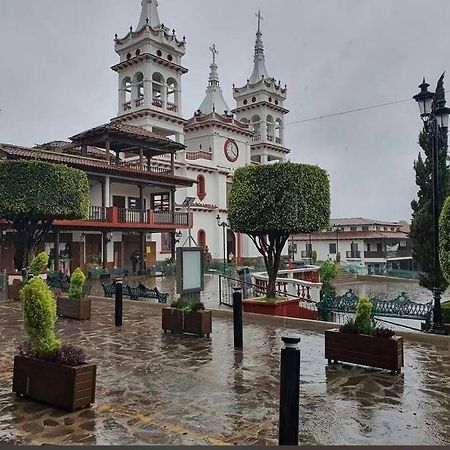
119	302
289	390
237	318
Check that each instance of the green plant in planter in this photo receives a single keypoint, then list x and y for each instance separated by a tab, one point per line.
38	264
39	313
364	323
314	256
77	281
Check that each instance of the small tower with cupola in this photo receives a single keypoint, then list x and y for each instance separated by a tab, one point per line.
149	74
260	103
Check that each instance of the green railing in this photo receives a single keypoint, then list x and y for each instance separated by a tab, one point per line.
407	274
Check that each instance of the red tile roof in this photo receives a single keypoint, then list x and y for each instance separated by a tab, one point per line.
84	163
351	235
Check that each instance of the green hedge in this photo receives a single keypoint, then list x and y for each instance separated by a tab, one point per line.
41	191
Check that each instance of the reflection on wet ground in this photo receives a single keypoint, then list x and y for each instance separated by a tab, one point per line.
167	389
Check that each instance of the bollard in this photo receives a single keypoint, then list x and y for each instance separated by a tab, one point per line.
289	390
119	302
237	318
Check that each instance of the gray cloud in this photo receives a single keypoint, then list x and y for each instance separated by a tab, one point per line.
334	55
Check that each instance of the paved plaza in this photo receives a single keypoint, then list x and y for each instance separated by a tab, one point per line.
167	389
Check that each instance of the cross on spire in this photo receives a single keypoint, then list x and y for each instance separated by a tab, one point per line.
260	17
214	52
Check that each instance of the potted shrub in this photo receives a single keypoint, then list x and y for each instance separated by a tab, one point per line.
45	370
76	305
360	341
38	268
186	317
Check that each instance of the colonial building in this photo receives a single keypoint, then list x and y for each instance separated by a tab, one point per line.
218	139
149	158
372	243
128	199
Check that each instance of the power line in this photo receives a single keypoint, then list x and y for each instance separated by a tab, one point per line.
363	108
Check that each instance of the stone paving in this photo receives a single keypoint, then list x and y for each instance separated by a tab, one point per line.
168	389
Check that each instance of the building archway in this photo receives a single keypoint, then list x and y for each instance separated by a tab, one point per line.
231	245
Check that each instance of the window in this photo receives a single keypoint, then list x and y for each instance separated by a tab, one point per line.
201	238
365	228
160	202
308	250
352	228
135	203
379	247
166	242
201	192
333	249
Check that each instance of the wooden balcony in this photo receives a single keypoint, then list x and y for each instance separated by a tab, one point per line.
120	218
194	156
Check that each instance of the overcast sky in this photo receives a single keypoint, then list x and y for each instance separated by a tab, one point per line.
334	55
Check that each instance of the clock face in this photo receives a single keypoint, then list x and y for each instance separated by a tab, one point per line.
231	150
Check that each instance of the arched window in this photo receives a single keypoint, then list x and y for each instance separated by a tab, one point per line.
172	94
158	90
138	82
201	238
125	93
201	187
270	128
279	131
256	124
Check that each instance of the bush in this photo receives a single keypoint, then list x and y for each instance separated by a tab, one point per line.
363	319
77	281
39	313
338	257
313	256
328	272
38	264
66	354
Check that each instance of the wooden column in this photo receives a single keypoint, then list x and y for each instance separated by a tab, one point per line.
105	249
84	149
103	194
56	250
141	158
172	205
172	163
108	150
142	250
173	244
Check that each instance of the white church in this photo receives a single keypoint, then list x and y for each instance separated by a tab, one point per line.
218	139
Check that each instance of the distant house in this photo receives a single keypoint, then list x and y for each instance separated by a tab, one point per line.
375	244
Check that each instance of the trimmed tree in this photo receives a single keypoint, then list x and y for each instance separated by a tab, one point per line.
421	233
33	194
444	240
270	202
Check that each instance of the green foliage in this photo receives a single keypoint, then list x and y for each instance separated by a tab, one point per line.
33	194
364	323
421	233
328	272
38	264
338	257
77	281
39	190
39	313
314	257
184	306
444	239
283	198
270	202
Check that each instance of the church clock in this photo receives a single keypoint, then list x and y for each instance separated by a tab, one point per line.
231	150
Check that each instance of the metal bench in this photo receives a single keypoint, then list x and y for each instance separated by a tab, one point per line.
109	290
141	291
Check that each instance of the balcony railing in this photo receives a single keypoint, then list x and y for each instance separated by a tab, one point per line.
114	217
172	107
278	140
353	255
270	138
132	216
135	165
157	102
193	156
376	254
126	106
97	214
139	101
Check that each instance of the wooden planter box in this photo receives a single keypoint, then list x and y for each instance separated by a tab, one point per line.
198	323
65	387
283	308
384	353
74	309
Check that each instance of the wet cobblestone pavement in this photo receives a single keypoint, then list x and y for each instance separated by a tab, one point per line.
168	389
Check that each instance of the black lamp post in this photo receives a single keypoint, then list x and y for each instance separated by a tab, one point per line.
337	228
224	225
435	120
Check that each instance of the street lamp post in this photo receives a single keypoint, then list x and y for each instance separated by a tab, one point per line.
435	119
224	225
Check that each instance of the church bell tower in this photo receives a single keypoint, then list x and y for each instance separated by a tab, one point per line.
149	75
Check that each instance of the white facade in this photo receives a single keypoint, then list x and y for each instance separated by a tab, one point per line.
217	140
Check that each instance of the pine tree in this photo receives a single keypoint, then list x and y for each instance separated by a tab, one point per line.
421	233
